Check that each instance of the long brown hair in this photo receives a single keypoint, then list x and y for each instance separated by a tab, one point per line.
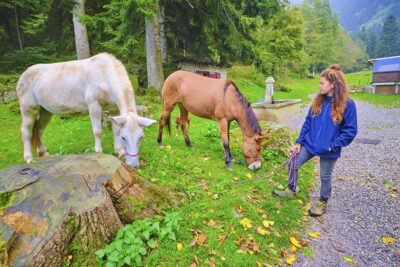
334	75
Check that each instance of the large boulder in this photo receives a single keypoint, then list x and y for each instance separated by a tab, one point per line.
67	207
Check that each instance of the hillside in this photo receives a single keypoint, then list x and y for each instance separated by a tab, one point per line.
369	13
357	13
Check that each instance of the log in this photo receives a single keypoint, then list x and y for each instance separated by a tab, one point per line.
61	210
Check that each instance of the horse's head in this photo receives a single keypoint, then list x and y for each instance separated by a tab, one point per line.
251	149
130	132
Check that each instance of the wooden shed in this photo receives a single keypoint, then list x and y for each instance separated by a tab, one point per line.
386	75
204	68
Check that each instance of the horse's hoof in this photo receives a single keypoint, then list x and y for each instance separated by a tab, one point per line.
229	167
188	144
29	160
160	146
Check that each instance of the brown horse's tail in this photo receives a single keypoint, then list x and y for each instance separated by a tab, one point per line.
168	124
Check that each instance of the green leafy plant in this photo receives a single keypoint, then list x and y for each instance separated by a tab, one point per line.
136	240
212	133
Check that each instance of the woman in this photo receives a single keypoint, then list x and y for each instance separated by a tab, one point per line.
331	124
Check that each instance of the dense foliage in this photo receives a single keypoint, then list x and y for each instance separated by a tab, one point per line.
274	36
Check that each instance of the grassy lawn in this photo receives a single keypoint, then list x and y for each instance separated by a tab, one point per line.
207	191
231	196
301	88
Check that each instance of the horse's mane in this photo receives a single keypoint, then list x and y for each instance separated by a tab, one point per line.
251	117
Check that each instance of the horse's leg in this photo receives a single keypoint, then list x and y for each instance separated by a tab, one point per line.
177	122
223	127
43	120
183	118
229	140
167	108
95	112
29	116
118	148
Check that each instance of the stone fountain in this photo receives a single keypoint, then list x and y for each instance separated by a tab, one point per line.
269	109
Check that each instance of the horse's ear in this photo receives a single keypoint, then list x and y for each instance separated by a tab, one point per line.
145	121
119	120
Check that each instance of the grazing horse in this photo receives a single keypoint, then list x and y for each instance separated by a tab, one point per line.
218	100
75	88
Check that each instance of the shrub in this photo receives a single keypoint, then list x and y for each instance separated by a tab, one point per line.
248	72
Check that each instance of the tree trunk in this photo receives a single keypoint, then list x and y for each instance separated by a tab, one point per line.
163	38
155	72
81	38
61	210
17	27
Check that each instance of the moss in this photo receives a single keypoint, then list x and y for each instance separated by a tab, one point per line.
82	255
71	223
6	199
137	206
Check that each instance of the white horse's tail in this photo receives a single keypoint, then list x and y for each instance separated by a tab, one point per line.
37	126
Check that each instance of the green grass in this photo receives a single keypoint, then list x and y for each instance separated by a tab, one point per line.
181	171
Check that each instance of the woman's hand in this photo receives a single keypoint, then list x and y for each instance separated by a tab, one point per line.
296	148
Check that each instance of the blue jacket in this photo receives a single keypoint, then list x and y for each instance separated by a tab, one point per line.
321	137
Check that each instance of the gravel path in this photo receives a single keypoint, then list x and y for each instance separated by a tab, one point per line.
361	210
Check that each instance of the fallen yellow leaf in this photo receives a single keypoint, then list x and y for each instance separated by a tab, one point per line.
295	242
246	223
223	258
314	234
262	231
293	248
291	259
248	175
300	201
348	259
388	240
168	148
393	195
179	246
268	223
277	234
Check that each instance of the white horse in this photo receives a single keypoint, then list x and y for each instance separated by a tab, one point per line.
80	87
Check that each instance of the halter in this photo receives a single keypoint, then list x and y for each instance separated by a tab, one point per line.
132	155
250	151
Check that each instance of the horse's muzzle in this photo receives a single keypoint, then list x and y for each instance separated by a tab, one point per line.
255	165
132	161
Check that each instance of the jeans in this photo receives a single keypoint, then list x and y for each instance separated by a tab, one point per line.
326	169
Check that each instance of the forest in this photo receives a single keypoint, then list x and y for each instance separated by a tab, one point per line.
277	38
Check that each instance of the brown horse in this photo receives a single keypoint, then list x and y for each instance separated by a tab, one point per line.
218	100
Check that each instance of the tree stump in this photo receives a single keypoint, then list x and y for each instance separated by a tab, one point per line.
69	207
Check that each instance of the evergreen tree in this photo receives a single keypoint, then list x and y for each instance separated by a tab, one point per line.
389	41
367	41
